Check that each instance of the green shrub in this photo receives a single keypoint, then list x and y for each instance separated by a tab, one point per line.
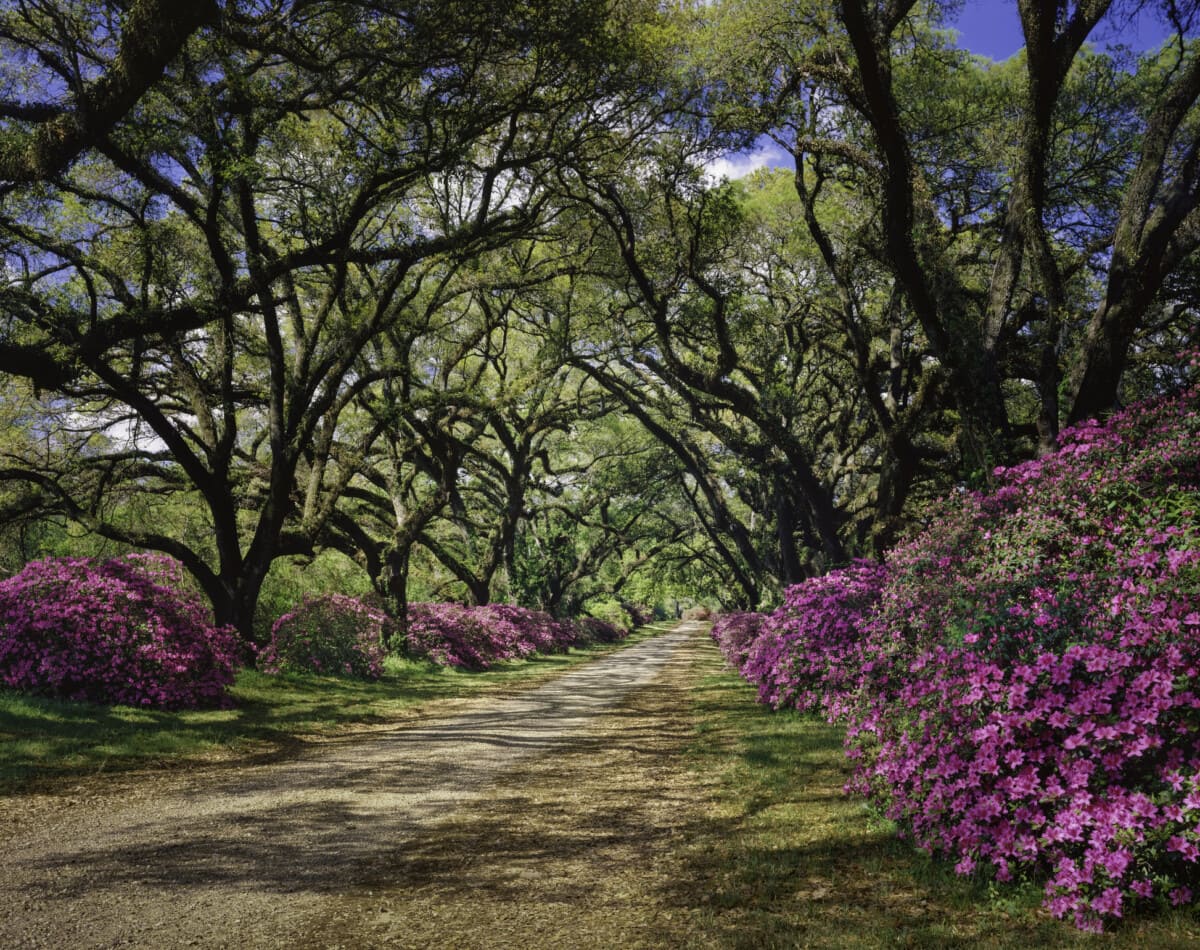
333	634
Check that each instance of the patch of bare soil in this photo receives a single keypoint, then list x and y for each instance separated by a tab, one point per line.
546	819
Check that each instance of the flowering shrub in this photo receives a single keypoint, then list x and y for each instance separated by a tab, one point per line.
334	634
735	633
807	652
595	630
476	637
118	631
1025	697
1034	703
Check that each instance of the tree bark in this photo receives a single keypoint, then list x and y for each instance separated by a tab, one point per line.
1158	226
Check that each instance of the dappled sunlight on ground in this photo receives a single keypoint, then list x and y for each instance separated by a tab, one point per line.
642	803
271	842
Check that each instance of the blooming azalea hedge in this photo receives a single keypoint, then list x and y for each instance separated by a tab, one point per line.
332	634
1021	685
118	631
476	637
735	633
129	631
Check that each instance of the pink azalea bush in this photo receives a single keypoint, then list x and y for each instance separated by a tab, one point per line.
333	634
807	653
596	630
1024	699
476	637
121	631
734	633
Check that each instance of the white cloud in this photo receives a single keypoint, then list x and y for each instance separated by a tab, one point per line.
733	165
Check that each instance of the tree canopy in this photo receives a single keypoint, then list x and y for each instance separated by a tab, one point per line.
450	289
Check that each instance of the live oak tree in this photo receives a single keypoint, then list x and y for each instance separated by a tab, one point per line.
614	510
1157	227
496	458
216	263
959	217
983	240
88	68
526	402
595	323
463	410
446	284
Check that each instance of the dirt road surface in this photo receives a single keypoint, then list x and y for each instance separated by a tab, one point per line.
546	819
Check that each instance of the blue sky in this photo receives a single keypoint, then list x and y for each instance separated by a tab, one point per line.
991	28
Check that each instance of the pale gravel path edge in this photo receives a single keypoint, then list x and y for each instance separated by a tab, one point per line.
230	861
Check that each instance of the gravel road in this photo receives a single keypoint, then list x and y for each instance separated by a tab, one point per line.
251	856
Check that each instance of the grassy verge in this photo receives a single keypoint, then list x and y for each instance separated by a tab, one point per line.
45	741
797	863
